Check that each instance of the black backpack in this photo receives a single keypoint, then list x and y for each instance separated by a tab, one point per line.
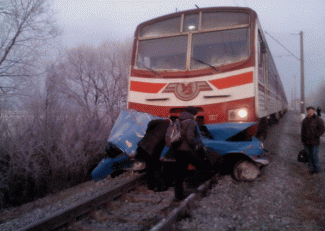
303	156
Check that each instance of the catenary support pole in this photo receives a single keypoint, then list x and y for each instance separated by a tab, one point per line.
302	80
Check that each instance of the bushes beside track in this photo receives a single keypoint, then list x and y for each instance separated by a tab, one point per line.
39	157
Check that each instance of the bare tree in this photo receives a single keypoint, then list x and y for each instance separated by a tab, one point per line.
96	79
117	56
26	27
62	136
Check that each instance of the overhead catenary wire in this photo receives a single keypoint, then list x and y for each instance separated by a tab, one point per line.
282	45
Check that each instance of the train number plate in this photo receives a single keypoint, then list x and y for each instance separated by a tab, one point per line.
213	117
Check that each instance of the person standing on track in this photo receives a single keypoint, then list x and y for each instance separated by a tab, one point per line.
311	129
186	152
149	150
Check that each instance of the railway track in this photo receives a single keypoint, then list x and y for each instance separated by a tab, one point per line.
130	206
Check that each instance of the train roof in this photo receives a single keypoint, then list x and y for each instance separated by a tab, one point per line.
206	9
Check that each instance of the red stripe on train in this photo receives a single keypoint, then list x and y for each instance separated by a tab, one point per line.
146	87
233	81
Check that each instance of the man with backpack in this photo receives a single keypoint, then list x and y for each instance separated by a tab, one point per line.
187	149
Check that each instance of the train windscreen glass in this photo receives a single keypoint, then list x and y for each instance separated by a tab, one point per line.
164	53
217	38
219	47
166	27
213	20
191	22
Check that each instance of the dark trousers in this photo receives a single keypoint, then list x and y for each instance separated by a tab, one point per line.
183	159
154	168
312	157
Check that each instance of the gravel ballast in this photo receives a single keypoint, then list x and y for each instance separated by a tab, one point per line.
284	197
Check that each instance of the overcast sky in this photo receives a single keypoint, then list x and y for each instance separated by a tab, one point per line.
94	21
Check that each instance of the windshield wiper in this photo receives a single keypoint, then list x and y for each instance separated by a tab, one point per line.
200	61
148	68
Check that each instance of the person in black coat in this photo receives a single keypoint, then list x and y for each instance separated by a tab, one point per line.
149	150
318	111
312	129
187	152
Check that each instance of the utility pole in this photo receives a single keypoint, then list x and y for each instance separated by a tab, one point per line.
302	76
294	94
302	71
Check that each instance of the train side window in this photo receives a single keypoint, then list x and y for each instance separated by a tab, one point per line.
262	50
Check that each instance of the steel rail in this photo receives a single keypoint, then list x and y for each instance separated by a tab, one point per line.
167	223
70	214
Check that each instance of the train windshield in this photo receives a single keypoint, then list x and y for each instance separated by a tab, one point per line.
193	41
219	47
163	53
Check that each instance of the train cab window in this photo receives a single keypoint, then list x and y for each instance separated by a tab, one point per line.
219	47
161	28
213	20
162	54
191	22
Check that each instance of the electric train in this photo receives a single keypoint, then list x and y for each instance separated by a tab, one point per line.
215	59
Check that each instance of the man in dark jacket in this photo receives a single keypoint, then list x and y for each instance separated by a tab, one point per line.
186	151
149	150
311	130
319	111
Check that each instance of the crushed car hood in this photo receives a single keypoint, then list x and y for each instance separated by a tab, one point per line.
128	130
226	131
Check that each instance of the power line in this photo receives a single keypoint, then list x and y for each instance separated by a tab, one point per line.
282	45
280	56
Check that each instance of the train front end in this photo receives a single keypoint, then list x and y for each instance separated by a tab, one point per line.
203	58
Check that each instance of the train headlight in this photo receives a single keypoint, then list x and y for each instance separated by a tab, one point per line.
242	113
239	114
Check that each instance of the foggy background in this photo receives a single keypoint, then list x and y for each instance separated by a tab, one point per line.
64	67
91	22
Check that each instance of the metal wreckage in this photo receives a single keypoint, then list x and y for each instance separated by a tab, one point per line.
228	147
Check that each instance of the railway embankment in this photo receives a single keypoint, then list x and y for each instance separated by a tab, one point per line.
284	197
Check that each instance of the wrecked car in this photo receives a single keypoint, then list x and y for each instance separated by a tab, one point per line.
229	147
